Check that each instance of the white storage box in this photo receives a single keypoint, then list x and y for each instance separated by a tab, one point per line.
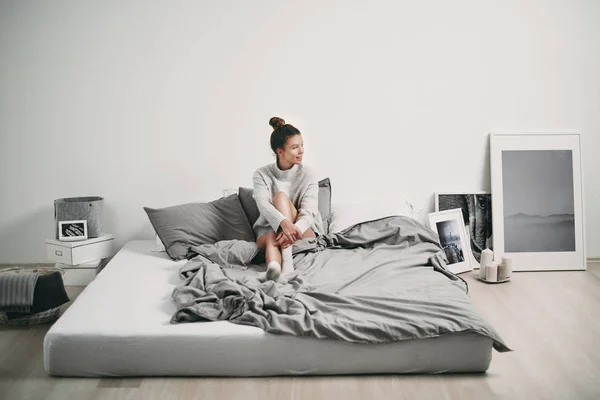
80	275
80	252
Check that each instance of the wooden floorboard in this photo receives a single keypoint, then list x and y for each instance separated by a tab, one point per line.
550	320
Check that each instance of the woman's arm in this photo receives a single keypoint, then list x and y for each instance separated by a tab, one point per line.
309	206
264	201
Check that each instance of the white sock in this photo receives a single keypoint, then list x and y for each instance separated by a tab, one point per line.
273	270
288	260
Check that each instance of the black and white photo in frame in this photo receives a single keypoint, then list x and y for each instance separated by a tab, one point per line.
70	231
450	227
537	193
476	208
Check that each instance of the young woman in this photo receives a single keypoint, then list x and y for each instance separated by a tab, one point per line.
287	196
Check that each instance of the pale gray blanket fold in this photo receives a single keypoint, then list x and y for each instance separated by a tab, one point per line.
376	282
16	291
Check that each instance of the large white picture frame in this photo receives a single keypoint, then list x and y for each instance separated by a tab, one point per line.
537	197
450	227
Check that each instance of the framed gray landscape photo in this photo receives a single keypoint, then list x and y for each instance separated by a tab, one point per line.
476	208
537	192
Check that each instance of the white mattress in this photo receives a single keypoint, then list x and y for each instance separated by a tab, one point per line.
119	326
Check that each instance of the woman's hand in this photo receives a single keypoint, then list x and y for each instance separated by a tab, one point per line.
288	235
284	243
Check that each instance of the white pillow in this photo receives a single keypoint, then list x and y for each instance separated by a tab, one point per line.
344	215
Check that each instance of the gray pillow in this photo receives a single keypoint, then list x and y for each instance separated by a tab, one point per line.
249	204
325	202
252	213
193	224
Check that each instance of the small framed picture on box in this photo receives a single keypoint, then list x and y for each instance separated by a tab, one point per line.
450	227
70	231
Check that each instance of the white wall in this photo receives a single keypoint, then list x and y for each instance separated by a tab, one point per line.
161	103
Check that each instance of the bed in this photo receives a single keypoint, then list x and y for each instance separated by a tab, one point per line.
130	322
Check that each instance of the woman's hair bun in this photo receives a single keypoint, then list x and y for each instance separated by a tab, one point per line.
276	122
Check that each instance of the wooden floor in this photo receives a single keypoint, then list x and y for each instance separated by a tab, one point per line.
550	319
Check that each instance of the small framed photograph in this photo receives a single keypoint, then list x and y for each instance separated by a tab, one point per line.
537	191
476	208
450	227
70	231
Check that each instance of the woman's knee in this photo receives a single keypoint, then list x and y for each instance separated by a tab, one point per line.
282	202
271	239
266	240
280	197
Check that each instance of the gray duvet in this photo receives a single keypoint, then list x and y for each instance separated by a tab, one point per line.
376	282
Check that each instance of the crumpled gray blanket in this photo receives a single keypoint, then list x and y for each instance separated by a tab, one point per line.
376	282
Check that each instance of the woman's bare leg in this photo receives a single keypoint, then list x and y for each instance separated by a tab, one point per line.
309	233
272	255
287	208
267	242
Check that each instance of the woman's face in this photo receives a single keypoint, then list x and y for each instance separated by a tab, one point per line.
292	151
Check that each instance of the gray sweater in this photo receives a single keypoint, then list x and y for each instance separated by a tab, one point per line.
302	188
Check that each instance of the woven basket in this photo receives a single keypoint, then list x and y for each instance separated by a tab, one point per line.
43	317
